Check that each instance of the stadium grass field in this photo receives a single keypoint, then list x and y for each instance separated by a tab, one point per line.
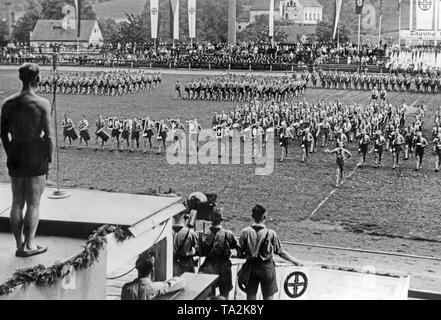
378	209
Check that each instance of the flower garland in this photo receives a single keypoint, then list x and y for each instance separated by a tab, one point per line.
42	276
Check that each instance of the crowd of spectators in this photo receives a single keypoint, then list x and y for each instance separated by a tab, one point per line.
246	55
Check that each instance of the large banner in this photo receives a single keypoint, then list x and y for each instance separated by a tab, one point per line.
174	19
424	14
271	19
192	18
231	21
154	13
78	16
439	14
420	35
336	16
359	6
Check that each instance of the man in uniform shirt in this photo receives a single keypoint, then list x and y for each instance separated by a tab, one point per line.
144	288
185	243
258	245
216	248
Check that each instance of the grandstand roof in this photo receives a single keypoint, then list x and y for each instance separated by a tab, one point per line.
51	30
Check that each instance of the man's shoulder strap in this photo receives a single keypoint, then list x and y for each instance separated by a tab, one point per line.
181	246
260	242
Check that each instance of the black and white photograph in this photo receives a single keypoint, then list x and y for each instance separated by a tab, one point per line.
220	150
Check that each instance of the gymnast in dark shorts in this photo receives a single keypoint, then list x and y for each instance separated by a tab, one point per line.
28	158
341	155
26	135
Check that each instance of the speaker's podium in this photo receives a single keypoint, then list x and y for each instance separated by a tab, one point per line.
66	224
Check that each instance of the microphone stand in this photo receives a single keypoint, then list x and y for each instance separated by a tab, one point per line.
57	194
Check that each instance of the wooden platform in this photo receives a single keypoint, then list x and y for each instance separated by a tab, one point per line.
60	249
86	210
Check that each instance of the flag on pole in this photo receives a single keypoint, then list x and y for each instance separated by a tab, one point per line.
399	5
271	19
174	19
78	16
336	16
381	19
424	15
359	6
192	18
154	11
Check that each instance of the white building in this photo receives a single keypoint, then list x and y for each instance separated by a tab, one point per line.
301	11
308	12
48	32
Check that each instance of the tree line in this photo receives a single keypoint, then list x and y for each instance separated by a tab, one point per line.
211	22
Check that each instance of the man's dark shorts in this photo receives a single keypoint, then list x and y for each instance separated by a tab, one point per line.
263	273
183	265
28	159
222	268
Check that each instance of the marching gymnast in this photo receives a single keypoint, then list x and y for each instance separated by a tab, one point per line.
68	131
100	125
341	155
148	126
437	151
83	126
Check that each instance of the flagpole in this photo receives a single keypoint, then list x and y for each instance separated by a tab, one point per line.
338	37
359	32
379	29
399	25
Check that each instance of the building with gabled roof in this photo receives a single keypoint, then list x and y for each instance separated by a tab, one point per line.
49	32
305	12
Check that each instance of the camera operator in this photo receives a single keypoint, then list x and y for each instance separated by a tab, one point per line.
216	248
185	243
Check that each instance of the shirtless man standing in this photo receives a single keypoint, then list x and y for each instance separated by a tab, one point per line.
26	135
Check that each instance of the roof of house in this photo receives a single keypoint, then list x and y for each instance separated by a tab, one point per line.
310	3
51	30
